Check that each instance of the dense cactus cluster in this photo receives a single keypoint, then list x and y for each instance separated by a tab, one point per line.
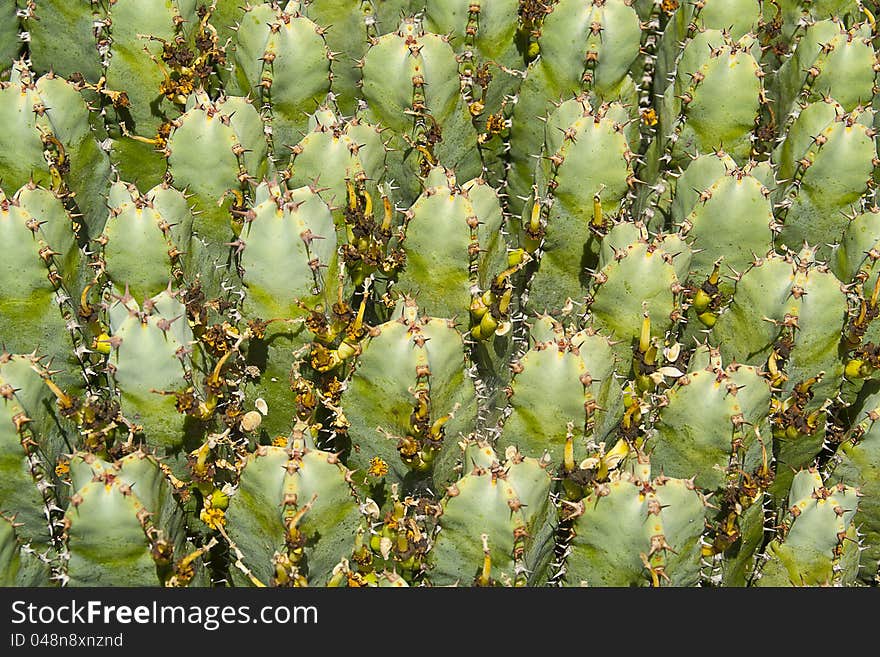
439	292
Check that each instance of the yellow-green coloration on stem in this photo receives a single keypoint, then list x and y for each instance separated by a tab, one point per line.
496	524
714	101
289	269
229	135
38	278
830	61
142	243
9	36
19	563
49	139
778	290
136	25
636	532
281	60
584	46
637	278
151	347
737	17
826	161
123	525
562	381
390	293
817	544
454	243
728	218
411	84
410	400
31	441
293	516
708	425
585	174
334	154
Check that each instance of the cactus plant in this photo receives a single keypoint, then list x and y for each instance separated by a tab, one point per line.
496	523
423	293
123	524
292	516
635	531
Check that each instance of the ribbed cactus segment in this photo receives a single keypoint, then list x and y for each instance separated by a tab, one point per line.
145	238
391	581
64	36
282	61
411	85
486	27
715	99
773	297
289	252
632	532
584	178
20	564
827	160
568	381
289	264
786	18
409	402
817	543
151	343
30	445
293	516
640	277
492	53
154	25
17	100
48	139
728	219
496	525
854	261
676	195
344	159
584	46
348	28
852	254
124	526
452	244
787	315
706	425
712	427
830	61
857	464
485	38
700	173
9	36
388	12
737	17
38	276
575	46
336	153
229	134
818	9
